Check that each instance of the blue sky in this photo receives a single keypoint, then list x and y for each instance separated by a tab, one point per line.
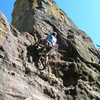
84	13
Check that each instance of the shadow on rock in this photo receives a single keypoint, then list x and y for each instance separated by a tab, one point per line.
33	55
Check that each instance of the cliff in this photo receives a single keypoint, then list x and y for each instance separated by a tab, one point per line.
73	71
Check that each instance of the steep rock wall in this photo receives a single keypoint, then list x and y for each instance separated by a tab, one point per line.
74	72
46	6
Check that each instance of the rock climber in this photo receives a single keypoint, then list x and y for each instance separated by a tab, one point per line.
49	43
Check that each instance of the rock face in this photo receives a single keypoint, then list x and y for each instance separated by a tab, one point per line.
45	6
73	72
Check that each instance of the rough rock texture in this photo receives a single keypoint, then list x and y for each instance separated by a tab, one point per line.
74	72
45	6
